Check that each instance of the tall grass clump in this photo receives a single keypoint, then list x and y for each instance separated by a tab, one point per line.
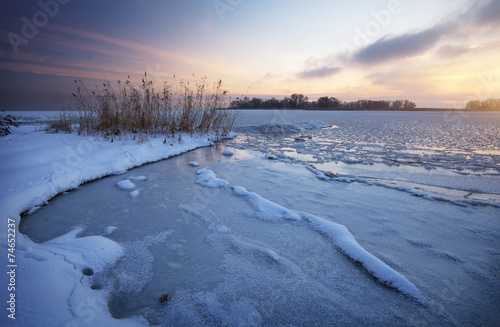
143	111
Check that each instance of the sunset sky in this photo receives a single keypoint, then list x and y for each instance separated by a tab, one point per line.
437	53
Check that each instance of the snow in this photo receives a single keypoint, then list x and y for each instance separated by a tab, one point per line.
109	230
36	166
194	164
52	289
125	185
207	178
227	153
268	211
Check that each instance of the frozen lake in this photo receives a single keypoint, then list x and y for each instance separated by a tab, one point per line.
419	191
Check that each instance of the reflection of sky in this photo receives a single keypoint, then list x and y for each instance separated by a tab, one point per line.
432	52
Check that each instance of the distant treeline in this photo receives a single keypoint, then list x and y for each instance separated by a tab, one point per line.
299	101
487	105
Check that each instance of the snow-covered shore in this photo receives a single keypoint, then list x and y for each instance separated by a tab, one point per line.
35	167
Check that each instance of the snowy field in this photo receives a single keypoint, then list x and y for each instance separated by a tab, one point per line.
319	218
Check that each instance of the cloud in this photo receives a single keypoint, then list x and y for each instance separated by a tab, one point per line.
321	72
489	13
401	47
416	43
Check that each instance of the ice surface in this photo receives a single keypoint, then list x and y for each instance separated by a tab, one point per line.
221	263
341	237
431	148
222	258
138	178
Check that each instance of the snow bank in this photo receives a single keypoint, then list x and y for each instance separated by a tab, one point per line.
207	178
36	166
268	211
55	285
341	237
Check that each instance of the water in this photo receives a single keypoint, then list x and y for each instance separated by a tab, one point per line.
222	265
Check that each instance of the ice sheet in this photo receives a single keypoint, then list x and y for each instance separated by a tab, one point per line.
221	263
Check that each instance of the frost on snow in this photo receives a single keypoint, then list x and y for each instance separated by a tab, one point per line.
207	178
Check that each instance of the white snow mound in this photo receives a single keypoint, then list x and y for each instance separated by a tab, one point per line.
207	178
125	185
269	211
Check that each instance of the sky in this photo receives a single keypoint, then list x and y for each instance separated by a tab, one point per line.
436	53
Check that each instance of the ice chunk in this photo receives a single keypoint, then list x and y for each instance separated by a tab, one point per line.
125	185
269	211
109	230
207	178
194	164
134	194
271	157
341	237
227	153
